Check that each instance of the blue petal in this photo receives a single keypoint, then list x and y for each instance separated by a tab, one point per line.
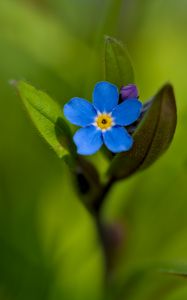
117	139
127	112
105	96
79	112
88	140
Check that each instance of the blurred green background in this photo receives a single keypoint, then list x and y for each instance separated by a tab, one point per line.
49	247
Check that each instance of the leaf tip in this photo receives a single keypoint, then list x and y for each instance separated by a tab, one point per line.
111	40
168	87
107	38
13	82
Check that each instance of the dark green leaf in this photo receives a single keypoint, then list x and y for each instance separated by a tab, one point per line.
118	67
152	137
47	117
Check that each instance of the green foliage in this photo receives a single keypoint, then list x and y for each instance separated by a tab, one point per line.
152	137
179	269
47	117
118	66
49	248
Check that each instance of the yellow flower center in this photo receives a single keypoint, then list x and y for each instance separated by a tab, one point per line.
104	121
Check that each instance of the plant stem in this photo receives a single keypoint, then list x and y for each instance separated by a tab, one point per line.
103	231
98	202
93	195
105	246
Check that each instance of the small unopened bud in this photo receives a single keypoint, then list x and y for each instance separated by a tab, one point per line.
129	91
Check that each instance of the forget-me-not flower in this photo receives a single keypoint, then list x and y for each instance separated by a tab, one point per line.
103	121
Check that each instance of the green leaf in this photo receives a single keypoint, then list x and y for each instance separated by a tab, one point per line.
152	137
118	66
176	269
47	117
147	271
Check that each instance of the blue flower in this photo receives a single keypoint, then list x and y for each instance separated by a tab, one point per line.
103	121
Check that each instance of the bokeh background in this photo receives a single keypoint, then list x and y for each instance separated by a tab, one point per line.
49	248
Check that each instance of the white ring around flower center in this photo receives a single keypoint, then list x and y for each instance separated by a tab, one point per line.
104	121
